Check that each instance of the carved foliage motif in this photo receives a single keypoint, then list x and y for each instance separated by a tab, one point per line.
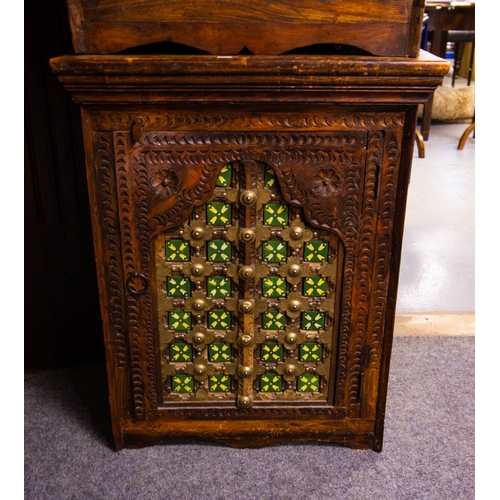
183	176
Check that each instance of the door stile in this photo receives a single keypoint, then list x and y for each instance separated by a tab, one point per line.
131	179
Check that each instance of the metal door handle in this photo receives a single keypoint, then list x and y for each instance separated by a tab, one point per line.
132	289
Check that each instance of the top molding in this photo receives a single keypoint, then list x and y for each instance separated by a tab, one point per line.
336	79
226	27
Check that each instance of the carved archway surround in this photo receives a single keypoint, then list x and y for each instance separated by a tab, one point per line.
360	149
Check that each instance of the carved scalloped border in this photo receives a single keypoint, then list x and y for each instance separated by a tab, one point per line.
132	187
244	122
110	227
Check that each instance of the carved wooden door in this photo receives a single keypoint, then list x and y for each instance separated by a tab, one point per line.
255	251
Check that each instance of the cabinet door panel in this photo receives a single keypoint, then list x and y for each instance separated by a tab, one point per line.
256	262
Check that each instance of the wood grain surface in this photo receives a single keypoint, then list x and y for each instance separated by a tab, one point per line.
380	27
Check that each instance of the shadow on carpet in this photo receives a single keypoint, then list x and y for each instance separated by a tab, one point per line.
428	445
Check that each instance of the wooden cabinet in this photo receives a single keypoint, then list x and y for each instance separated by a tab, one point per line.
248	216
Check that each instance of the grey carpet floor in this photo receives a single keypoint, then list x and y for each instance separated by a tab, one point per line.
428	447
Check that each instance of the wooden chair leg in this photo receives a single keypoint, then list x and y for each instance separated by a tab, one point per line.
420	144
465	135
425	126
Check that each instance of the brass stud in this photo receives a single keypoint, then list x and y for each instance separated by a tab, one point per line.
199	338
245	340
290	369
248	198
247	272
198	233
294	305
246	306
200	369
291	338
247	235
296	233
244	402
245	371
294	270
197	269
199	304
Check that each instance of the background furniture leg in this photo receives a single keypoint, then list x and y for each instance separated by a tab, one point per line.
425	125
420	144
465	135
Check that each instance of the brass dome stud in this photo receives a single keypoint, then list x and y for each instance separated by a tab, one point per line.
200	369
245	371
248	198
244	402
198	233
291	338
296	233
247	235
246	306
199	338
199	304
197	269
245	340
247	272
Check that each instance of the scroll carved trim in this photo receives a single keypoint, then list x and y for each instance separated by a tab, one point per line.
237	121
111	238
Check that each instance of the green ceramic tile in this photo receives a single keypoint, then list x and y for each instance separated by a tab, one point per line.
219	320
313	320
273	320
308	383
224	178
271	353
311	352
219	383
219	287
270	180
274	286
219	251
316	251
180	353
182	383
179	320
275	214
176	251
271	382
219	352
218	213
315	286
178	286
274	251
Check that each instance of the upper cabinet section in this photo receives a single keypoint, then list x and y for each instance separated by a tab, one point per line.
261	27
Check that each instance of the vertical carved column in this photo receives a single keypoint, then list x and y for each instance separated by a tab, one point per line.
363	283
132	187
381	268
110	227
